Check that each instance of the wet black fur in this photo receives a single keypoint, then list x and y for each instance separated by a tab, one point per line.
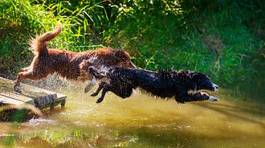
164	84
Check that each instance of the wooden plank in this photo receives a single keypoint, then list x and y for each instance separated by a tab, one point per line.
7	85
39	97
31	95
11	101
18	97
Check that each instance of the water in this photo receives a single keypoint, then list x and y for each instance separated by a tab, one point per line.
141	121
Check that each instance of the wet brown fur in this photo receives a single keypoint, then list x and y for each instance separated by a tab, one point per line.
65	63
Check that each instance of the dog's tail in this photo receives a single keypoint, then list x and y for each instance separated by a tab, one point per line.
39	43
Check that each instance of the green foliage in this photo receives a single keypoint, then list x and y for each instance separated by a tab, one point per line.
222	38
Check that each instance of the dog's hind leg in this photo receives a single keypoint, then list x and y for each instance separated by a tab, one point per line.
101	85
17	84
25	69
27	75
19	78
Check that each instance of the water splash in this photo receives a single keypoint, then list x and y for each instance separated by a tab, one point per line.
40	121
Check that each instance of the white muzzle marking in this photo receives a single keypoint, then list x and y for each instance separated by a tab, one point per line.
215	87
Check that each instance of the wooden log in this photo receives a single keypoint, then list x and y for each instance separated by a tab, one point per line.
31	95
8	97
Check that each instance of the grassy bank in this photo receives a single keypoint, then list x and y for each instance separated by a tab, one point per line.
224	39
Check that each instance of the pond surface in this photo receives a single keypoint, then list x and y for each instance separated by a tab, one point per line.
140	121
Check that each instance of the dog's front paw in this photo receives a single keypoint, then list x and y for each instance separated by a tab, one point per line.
99	100
213	99
94	94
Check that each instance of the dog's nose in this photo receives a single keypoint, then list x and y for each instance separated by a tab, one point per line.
216	87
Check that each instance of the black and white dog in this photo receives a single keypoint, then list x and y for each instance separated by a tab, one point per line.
184	86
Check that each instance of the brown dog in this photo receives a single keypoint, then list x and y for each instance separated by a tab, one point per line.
67	64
